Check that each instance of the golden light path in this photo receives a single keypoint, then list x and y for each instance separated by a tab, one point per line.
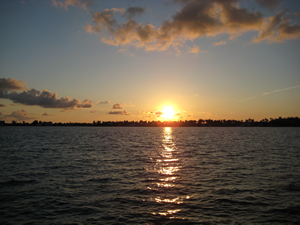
168	166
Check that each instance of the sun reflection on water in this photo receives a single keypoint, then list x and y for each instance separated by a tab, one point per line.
167	168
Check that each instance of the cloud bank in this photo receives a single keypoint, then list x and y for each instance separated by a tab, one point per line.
20	115
35	97
195	20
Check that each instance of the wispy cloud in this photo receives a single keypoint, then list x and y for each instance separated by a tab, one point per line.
220	43
103	102
284	89
119	113
195	49
246	99
66	3
129	104
270	92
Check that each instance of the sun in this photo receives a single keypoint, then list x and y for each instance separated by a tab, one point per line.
168	112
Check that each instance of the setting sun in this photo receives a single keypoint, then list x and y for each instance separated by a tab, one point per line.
168	112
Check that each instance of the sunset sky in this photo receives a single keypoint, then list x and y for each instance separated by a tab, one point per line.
86	60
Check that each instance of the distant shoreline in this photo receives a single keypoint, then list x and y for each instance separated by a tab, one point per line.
277	122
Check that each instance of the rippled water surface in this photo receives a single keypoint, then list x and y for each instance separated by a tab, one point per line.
119	175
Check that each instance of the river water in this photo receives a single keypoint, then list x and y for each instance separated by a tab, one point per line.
139	175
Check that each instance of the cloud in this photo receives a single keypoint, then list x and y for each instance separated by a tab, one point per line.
278	29
271	4
117	106
158	114
119	113
19	115
47	114
45	99
247	98
13	104
129	104
95	111
284	89
66	3
195	49
220	43
2	105
134	11
196	19
12	84
297	14
270	92
104	102
86	103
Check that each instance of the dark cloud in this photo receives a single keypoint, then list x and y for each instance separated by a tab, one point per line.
297	14
47	114
95	111
271	4
195	20
19	115
117	106
182	1
119	113
86	103
104	102
12	84
278	29
45	99
2	105
134	11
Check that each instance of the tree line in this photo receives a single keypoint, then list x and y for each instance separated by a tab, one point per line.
272	122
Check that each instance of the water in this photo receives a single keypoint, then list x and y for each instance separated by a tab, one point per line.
127	175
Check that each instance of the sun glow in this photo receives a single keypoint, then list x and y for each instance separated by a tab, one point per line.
168	113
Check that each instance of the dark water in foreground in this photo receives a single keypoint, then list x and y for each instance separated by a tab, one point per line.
77	175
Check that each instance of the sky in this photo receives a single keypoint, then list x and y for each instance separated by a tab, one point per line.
116	60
